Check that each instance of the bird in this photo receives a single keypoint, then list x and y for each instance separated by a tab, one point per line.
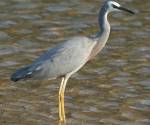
66	58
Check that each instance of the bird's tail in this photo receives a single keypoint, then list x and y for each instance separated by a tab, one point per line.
22	73
28	71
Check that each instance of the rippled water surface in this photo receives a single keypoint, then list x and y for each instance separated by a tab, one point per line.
114	89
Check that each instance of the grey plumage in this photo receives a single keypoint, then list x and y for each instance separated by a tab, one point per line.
58	61
67	58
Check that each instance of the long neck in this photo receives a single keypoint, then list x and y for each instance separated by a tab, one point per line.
104	25
103	35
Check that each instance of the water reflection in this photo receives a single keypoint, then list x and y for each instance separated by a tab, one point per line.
112	89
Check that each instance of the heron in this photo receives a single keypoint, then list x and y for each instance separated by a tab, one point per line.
66	58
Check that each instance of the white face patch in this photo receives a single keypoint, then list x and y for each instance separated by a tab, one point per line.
111	3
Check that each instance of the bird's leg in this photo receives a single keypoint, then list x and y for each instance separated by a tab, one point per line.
61	98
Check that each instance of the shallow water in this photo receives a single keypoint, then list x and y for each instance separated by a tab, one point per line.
114	89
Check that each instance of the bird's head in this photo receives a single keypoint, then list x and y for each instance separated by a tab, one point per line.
114	6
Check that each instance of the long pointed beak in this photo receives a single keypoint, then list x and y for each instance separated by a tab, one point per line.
125	9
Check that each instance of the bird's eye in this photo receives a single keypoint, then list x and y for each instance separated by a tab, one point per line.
114	6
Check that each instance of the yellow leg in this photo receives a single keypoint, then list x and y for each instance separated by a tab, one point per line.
61	98
61	108
60	101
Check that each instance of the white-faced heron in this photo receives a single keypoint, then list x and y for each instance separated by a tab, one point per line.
68	57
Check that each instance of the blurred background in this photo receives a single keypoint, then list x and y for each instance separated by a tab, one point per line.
114	89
